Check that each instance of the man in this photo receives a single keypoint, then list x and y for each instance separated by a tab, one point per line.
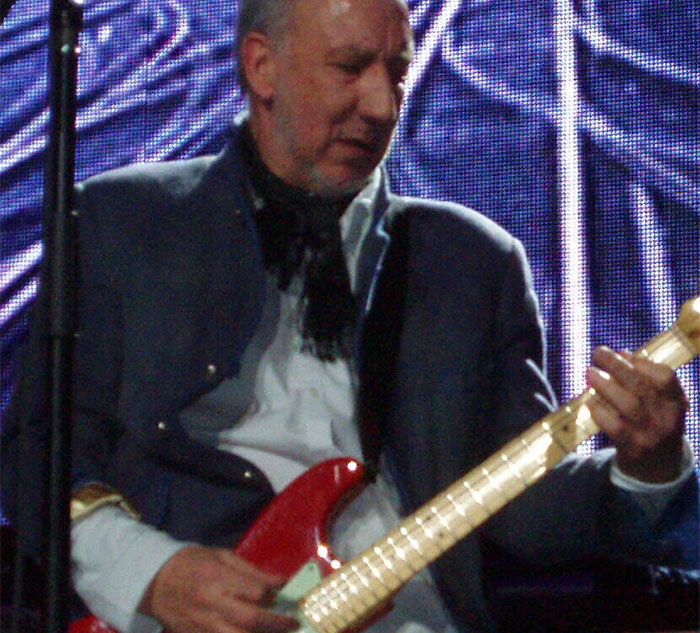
246	316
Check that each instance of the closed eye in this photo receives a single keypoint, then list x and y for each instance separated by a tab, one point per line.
351	69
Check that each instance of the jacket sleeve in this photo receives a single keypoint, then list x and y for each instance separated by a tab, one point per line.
575	511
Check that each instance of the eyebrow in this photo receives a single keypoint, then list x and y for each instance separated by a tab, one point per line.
365	53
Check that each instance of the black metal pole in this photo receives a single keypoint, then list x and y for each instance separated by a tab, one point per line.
5	6
59	241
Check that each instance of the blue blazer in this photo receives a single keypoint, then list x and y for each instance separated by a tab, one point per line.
450	356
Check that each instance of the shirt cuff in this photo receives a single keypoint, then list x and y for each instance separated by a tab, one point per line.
114	558
653	498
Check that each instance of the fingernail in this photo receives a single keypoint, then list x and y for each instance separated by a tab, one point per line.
604	375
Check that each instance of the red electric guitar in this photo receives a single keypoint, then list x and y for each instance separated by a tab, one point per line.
328	596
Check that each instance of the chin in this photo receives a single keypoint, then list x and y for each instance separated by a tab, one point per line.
339	182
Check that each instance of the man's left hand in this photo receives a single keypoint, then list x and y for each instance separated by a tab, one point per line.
641	406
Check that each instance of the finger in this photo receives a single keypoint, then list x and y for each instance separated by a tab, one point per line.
663	388
235	561
258	587
251	618
660	376
606	417
621	369
272	622
625	403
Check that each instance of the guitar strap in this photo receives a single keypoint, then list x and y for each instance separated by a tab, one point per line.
380	338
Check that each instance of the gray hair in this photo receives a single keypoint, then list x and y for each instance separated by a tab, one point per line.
264	16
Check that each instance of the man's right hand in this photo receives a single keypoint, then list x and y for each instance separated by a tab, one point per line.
207	590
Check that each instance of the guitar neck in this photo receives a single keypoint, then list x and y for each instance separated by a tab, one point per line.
349	595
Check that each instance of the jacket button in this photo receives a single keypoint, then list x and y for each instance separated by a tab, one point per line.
211	370
162	426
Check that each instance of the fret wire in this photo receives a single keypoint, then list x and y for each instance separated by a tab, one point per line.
412	542
366	587
489	476
345	593
387	563
488	479
345	575
675	356
476	496
550	431
337	614
459	509
332	591
525	460
365	584
400	539
317	620
353	599
439	517
425	524
363	594
523	449
441	509
381	555
440	513
322	621
321	606
450	538
403	540
531	451
375	571
378	557
502	467
513	469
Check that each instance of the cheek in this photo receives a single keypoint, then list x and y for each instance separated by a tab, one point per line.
315	114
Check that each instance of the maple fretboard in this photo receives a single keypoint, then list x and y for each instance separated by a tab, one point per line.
346	597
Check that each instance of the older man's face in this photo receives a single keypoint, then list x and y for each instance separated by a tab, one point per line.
338	89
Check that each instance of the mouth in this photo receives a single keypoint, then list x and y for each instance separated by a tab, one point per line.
361	146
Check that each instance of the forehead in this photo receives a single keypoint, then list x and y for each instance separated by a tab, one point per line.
379	26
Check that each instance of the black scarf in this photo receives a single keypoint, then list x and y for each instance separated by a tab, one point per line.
300	235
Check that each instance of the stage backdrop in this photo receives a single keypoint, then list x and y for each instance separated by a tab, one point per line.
575	125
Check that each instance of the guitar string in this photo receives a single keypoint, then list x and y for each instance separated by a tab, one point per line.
333	592
551	427
486	480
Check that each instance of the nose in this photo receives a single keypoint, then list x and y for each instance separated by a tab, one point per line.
380	97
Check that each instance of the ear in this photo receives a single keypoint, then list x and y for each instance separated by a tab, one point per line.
259	64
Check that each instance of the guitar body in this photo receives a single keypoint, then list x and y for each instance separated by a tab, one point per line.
292	530
290	537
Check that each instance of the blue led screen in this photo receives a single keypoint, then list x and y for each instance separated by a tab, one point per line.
573	124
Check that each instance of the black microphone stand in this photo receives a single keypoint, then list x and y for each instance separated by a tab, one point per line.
66	21
5	6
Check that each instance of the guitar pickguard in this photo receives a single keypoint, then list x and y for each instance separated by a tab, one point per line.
290	538
287	600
